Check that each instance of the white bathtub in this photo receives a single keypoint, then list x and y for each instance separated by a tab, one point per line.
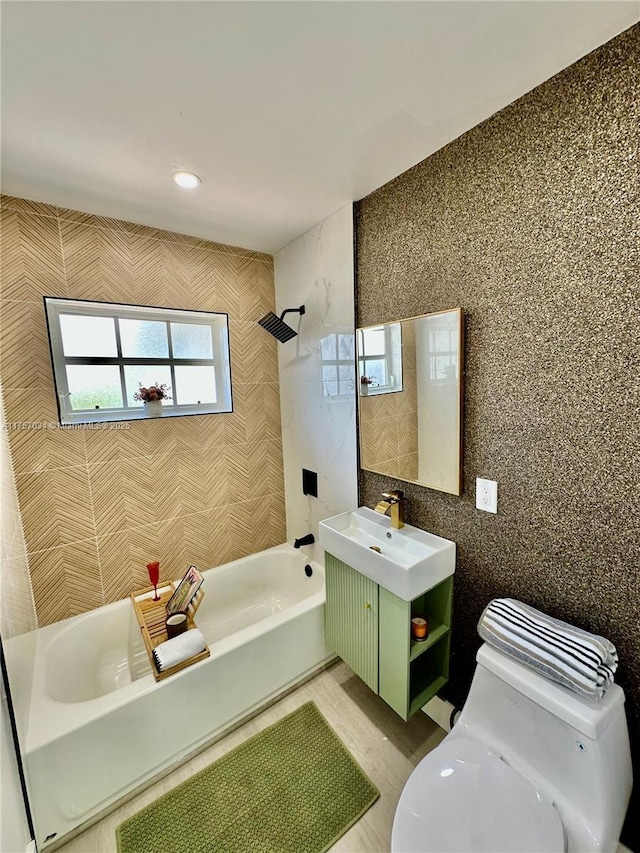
100	726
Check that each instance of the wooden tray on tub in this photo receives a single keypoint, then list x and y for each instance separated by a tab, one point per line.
151	617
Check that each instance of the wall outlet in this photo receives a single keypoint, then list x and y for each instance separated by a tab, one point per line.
486	495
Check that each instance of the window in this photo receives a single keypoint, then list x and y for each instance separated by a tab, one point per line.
380	359
443	351
102	353
338	365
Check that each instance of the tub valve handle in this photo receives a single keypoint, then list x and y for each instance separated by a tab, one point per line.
309	539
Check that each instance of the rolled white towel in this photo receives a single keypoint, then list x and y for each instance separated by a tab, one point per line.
179	649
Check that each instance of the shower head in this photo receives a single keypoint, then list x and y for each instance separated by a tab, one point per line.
276	327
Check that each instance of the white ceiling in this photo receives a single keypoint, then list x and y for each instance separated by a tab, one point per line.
287	110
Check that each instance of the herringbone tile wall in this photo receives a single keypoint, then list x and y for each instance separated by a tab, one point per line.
17	612
98	504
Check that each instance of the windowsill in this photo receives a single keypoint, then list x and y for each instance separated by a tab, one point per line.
377	390
112	415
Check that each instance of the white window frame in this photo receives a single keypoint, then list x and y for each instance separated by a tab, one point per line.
216	321
392	357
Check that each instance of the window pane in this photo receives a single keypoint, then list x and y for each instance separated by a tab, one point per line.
329	372
345	347
191	340
91	386
90	336
146	375
195	385
330	389
373	341
441	341
143	339
376	370
328	348
346	378
442	368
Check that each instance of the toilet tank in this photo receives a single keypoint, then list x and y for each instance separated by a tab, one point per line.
574	750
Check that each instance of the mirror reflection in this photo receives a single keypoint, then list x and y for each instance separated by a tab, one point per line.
410	399
380	359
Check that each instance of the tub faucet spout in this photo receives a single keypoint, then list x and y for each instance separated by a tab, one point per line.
392	504
309	539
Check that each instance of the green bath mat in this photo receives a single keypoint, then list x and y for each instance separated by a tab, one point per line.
292	788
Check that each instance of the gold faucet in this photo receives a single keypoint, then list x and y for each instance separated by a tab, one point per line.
392	504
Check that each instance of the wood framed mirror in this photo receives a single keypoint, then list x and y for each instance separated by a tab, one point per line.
410	399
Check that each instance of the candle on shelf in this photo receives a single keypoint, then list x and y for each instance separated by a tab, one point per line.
176	624
419	628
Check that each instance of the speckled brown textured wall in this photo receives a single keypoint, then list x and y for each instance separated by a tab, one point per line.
531	223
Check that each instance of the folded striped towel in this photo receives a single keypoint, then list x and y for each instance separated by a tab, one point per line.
581	661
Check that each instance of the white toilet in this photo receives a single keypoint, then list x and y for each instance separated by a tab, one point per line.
529	766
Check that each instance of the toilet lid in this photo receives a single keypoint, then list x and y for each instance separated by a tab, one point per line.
463	798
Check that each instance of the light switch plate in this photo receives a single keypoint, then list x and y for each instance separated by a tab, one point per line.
486	495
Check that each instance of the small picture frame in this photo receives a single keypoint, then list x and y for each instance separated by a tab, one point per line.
185	591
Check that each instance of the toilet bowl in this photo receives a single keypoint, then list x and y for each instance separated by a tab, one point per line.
530	767
463	797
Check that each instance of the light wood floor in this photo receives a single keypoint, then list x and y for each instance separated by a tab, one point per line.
386	748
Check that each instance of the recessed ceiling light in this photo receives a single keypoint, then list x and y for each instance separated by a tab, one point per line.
186	179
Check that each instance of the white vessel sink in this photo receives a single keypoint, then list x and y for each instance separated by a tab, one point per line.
410	560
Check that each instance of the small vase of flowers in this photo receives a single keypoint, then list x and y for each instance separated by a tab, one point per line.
365	381
152	398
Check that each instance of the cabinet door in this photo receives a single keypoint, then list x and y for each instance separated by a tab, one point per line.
352	619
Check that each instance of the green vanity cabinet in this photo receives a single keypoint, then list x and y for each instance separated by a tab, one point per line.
370	629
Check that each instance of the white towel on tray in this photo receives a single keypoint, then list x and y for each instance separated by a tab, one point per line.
179	649
583	662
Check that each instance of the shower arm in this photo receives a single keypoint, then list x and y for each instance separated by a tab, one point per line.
299	310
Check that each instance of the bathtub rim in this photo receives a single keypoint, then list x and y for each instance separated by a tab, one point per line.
49	719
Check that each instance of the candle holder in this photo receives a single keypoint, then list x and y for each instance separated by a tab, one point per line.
176	624
419	628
